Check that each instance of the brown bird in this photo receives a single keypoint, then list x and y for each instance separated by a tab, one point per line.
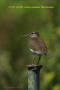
36	45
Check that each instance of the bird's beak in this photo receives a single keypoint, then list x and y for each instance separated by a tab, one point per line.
26	35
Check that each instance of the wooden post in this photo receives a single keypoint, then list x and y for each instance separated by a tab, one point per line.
34	77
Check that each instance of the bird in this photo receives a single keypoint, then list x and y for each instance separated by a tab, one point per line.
36	45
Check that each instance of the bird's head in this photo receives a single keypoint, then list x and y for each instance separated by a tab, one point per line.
33	35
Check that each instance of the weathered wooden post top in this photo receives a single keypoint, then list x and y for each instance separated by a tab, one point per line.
34	77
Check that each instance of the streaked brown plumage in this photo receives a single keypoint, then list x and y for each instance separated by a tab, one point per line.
36	45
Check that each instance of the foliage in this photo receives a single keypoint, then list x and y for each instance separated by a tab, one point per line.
14	52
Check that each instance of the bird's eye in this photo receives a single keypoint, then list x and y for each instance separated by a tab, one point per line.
33	32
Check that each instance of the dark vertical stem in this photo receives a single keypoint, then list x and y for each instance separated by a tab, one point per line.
39	59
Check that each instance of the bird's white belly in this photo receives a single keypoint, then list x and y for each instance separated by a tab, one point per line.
35	52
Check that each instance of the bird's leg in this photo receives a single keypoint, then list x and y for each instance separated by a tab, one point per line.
33	60
39	59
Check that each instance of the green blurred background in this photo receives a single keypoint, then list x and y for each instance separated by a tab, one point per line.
14	52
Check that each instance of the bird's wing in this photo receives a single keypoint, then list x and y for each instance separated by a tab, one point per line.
43	47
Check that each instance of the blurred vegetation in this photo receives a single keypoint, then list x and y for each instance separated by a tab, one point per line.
14	52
